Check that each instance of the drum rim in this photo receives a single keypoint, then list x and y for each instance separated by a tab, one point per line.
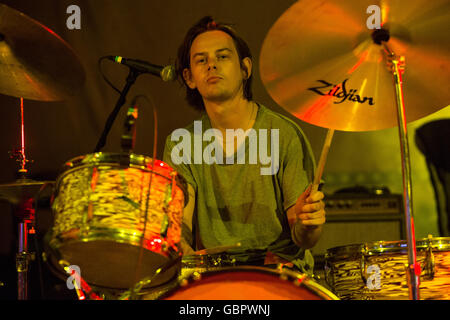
394	246
114	157
140	162
292	276
117	235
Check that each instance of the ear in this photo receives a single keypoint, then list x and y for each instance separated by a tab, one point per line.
247	65
187	76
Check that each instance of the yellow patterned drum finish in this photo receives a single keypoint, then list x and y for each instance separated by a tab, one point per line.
351	271
112	210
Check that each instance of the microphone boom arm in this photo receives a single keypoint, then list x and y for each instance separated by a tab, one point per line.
131	79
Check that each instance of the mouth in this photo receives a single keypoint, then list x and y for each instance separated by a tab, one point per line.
213	79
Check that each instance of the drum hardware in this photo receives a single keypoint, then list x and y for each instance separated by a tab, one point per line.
110	212
328	272
348	269
429	263
79	284
131	294
336	80
37	65
135	70
21	194
130	80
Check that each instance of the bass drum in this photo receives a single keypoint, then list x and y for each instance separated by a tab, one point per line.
114	214
247	283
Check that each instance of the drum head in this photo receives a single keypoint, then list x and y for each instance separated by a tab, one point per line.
248	283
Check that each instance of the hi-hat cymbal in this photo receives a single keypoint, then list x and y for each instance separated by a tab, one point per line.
317	45
21	190
35	63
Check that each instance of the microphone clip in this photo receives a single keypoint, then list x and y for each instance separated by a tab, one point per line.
129	129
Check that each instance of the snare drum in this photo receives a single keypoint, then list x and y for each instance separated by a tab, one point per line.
113	210
248	283
377	270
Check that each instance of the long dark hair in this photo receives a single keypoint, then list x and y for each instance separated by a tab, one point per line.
207	23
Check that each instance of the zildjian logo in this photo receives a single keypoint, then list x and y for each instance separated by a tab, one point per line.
341	94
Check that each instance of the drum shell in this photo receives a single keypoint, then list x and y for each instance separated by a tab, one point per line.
111	210
346	270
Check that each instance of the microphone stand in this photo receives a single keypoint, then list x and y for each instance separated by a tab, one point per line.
131	79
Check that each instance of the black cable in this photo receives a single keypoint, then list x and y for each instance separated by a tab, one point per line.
103	75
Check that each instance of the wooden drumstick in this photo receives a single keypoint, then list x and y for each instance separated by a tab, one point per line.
322	160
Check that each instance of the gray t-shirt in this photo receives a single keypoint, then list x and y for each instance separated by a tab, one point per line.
245	199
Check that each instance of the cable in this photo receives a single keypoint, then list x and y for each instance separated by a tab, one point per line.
155	139
103	75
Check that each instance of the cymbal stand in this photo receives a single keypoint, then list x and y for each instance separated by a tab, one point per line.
24	211
413	269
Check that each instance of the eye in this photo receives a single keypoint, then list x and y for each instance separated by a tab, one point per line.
200	61
223	56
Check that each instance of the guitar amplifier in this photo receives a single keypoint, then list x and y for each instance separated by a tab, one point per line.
358	218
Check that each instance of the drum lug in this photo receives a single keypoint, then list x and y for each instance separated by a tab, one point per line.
363	264
429	264
196	276
329	279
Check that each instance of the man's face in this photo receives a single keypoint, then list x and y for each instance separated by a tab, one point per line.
215	67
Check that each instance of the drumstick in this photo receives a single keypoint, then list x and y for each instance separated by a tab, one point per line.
217	249
322	160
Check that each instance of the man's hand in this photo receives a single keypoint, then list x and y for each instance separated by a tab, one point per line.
306	218
310	209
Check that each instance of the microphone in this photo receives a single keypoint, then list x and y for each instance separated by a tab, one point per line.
166	73
129	133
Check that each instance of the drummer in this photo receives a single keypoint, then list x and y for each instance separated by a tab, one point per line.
267	207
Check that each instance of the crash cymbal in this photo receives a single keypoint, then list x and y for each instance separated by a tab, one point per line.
320	62
21	189
35	63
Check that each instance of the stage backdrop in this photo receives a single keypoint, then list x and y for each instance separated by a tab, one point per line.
152	31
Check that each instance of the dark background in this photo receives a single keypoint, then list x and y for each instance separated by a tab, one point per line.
152	30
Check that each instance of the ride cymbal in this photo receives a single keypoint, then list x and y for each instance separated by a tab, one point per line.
35	63
320	62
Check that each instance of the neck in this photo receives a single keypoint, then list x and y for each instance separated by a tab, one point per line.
231	114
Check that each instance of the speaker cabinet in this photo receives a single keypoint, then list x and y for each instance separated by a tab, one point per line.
354	219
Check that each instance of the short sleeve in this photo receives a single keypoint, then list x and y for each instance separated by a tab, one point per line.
182	167
298	167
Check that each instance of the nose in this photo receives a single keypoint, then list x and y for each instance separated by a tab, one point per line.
212	64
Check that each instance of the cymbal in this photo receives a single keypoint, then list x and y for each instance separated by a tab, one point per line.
21	189
320	63
35	63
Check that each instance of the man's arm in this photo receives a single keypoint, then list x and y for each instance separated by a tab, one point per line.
186	228
306	218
